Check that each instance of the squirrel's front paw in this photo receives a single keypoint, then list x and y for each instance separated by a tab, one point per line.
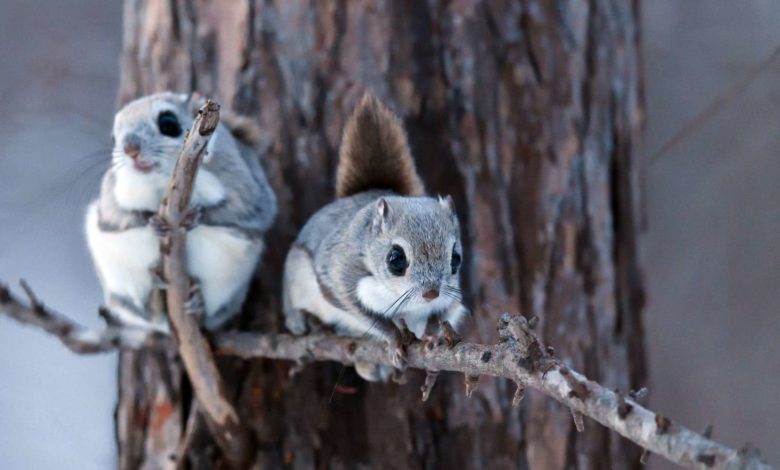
195	305
295	321
398	355
160	225
192	217
158	279
449	335
373	372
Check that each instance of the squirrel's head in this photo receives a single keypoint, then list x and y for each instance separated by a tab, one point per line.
148	135
148	132
414	253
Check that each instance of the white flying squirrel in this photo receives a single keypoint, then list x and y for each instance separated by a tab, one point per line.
232	206
382	252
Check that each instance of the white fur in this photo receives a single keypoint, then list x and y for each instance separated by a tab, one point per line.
455	314
374	295
129	317
222	261
302	292
123	259
144	191
208	191
138	191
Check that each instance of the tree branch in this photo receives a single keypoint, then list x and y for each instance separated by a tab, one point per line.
198	360
519	356
76	337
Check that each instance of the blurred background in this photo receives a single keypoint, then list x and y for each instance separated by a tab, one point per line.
710	252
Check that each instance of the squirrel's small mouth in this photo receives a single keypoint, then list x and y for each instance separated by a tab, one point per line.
430	294
143	166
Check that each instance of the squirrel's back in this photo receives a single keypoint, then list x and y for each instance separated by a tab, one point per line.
375	154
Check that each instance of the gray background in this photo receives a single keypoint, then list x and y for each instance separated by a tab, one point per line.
710	251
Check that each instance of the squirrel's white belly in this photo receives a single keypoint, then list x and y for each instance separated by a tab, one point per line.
123	259
222	262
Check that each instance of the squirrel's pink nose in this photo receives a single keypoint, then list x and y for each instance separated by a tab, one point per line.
132	150
430	294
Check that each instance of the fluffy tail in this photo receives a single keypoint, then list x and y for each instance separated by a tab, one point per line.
244	129
375	153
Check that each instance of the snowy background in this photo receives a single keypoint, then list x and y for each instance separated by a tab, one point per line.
711	253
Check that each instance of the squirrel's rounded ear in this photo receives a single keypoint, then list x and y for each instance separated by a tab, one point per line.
447	203
382	215
211	147
195	100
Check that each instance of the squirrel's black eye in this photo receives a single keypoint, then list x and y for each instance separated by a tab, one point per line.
396	261
455	261
168	124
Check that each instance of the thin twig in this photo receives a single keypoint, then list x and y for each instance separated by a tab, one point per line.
76	337
191	430
194	349
734	90
517	357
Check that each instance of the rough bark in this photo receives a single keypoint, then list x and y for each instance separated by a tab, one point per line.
527	112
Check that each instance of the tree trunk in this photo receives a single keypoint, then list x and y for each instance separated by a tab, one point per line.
527	112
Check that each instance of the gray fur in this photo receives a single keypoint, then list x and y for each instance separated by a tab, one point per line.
250	205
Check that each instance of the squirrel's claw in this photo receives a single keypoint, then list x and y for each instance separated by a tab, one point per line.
194	305
192	217
160	225
158	280
429	341
398	355
449	335
295	321
405	335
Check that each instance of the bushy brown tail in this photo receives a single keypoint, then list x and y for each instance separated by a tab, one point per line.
243	129
375	153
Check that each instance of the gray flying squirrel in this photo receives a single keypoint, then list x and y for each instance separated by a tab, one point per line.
232	206
382	252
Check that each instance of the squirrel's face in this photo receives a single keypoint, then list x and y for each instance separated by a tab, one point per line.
415	253
148	133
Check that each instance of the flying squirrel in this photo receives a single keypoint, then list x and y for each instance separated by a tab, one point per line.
232	206
383	255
